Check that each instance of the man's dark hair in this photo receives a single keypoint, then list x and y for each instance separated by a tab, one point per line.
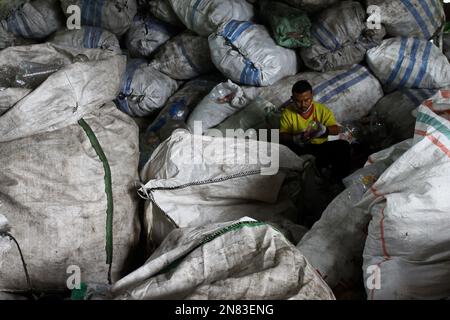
301	87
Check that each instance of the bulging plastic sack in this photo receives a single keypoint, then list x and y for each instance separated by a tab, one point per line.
184	57
147	34
406	253
408	18
87	37
223	101
253	259
256	115
34	19
194	180
205	16
10	96
247	54
113	15
409	63
144	89
340	38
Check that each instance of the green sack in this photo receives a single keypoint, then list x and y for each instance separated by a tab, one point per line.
290	26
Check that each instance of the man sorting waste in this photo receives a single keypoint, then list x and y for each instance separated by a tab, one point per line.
305	126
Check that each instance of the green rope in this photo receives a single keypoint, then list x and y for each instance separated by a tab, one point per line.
109	195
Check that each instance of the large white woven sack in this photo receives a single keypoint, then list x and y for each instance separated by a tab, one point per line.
247	54
113	15
395	110
349	93
407	249
340	37
239	260
205	16
68	166
409	18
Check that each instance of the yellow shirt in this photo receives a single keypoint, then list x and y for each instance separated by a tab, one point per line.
293	123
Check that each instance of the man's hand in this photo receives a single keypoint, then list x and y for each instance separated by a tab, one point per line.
315	130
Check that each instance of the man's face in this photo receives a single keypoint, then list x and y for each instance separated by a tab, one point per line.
302	100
